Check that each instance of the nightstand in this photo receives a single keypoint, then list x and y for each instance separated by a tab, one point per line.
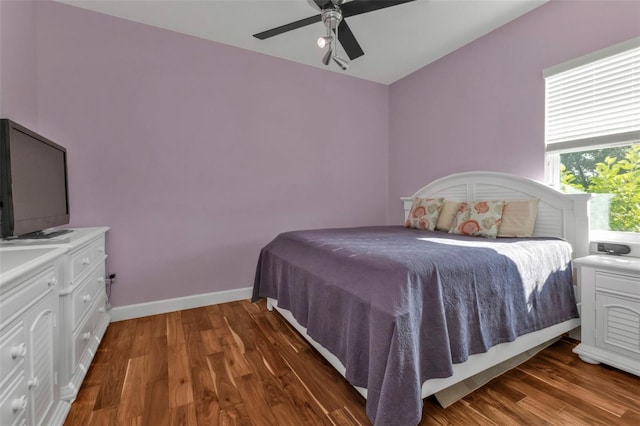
610	290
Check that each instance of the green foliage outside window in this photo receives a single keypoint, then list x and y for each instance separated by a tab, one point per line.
614	171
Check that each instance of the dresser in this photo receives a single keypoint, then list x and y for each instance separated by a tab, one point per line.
610	291
29	337
76	301
82	299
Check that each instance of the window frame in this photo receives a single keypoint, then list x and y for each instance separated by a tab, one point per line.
552	152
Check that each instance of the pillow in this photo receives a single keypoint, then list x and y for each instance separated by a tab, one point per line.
518	218
424	213
447	215
478	219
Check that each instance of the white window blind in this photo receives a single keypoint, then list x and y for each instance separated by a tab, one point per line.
594	104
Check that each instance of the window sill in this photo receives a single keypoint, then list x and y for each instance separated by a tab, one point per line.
630	239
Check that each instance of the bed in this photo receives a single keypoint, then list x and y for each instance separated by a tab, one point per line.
404	313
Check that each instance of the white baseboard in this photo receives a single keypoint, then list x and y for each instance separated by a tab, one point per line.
139	310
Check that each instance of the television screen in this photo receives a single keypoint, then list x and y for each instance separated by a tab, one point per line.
33	192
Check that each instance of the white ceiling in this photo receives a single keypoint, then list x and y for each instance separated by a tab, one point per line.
397	40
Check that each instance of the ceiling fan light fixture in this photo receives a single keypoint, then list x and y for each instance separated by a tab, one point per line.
327	56
342	63
324	41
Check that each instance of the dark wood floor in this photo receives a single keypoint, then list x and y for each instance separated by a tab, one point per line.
238	364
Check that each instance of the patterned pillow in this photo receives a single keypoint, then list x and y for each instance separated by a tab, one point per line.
518	218
424	213
447	215
479	218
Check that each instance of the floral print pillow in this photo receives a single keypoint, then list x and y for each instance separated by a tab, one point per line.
478	219
424	213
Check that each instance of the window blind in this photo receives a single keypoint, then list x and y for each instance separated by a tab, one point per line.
595	104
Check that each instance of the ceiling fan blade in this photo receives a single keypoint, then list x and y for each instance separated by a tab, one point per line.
288	27
321	3
348	41
356	7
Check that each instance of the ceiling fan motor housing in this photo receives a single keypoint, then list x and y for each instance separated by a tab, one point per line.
331	18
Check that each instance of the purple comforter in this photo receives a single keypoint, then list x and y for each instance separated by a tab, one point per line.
399	306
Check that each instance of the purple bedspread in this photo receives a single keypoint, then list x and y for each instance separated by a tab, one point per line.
399	306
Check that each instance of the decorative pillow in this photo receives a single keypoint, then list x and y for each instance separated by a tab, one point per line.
447	215
518	218
479	218
424	213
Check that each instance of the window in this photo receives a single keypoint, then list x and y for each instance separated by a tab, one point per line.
592	132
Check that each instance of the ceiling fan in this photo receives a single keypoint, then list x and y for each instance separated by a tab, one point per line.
332	15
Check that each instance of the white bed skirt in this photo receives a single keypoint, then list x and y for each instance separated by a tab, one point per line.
473	366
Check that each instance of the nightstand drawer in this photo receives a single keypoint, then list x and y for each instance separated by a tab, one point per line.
618	283
84	296
618	325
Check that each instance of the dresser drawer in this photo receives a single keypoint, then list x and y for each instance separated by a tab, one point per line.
13	350
32	289
82	298
13	403
81	339
100	311
618	283
84	257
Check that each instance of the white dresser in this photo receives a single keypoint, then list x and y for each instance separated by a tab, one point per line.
82	305
78	296
610	290
29	337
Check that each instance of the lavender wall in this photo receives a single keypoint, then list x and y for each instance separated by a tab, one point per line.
18	70
482	106
197	154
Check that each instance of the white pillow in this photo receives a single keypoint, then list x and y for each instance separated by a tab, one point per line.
518	218
447	215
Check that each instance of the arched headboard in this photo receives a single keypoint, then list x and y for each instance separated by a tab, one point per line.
559	215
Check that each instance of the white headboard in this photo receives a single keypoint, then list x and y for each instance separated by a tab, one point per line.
559	214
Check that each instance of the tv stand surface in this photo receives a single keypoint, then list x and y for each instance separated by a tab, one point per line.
51	238
42	235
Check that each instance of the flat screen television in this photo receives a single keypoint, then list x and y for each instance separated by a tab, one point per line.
34	193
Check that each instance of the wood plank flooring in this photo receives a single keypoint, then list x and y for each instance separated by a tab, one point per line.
238	364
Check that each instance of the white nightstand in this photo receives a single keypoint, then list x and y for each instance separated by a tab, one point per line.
610	290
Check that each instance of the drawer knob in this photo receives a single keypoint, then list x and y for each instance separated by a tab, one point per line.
52	281
18	351
86	261
101	309
100	250
86	298
33	383
101	280
86	336
19	404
